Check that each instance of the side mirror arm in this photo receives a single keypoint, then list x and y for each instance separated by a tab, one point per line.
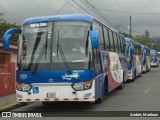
7	37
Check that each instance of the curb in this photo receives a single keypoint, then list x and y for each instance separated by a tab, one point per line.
11	106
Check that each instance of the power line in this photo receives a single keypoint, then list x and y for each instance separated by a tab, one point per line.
95	10
67	2
73	6
62	7
128	12
80	6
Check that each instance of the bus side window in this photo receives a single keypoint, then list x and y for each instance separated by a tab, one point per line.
115	42
120	44
106	37
98	67
111	41
101	40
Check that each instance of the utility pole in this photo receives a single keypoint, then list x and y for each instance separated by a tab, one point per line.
130	28
1	14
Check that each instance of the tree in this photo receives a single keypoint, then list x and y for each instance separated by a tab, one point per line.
125	34
144	40
4	26
147	34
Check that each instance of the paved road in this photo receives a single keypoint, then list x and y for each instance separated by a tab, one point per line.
143	94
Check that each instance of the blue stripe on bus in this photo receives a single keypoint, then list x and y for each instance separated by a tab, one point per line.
75	17
54	76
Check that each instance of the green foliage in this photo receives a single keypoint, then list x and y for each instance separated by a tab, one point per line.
125	34
156	46
4	26
147	33
144	40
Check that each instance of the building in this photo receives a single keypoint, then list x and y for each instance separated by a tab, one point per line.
8	68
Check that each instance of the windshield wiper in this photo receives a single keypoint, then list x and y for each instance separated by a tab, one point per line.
62	55
42	51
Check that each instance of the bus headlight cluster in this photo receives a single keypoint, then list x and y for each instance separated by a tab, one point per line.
24	87
129	71
82	85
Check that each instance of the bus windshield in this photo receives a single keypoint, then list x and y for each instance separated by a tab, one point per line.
153	56
42	41
128	53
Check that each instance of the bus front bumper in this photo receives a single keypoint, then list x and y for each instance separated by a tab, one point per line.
56	92
154	63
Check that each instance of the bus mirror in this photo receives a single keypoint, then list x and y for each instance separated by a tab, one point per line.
94	37
7	37
132	50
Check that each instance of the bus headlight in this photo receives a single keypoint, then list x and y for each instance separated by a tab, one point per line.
82	85
129	71
23	87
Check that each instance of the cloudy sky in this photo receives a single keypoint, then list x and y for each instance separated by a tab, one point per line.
145	13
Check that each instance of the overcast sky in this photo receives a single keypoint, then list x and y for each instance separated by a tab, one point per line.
145	13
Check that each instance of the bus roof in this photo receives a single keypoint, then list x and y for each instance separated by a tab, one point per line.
74	17
142	46
127	39
153	50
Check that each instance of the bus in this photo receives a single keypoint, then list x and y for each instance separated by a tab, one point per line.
50	69
154	58
148	59
146	65
159	57
133	52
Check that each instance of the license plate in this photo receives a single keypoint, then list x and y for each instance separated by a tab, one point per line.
51	95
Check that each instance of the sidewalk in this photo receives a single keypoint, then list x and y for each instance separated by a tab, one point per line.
6	102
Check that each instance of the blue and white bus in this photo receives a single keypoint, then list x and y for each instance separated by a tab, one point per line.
146	64
133	52
159	57
154	58
51	68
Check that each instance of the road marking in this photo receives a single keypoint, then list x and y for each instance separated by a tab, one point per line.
146	91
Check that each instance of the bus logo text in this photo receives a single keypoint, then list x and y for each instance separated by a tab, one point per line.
69	77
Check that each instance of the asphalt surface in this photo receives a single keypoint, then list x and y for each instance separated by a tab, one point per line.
143	94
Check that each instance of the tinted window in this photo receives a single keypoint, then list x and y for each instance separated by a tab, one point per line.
111	41
115	42
106	36
120	45
101	40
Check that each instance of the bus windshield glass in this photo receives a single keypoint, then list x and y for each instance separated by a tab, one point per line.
153	56
74	41
41	42
128	53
